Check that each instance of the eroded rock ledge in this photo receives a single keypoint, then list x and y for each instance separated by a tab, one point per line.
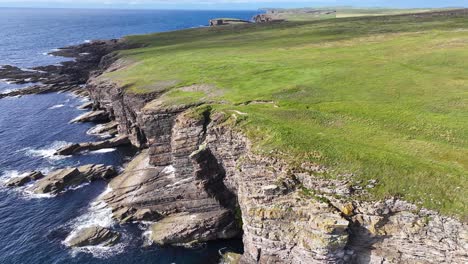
197	179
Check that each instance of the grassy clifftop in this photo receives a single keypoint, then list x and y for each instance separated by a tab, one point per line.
383	98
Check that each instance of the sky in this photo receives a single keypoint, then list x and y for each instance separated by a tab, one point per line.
228	4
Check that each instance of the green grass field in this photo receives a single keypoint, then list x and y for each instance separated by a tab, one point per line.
299	14
383	98
357	12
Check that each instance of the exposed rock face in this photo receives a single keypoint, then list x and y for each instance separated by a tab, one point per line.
188	228
124	108
59	180
21	181
91	146
394	231
92	236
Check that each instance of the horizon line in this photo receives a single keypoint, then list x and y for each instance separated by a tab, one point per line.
214	9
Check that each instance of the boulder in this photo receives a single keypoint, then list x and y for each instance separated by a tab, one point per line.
92	236
21	181
93	116
91	146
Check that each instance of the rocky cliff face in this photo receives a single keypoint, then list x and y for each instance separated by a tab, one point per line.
197	179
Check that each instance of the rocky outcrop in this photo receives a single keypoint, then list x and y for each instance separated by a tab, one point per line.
92	236
93	116
92	146
67	76
58	181
87	105
23	180
108	129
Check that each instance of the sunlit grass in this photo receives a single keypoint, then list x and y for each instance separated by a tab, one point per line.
384	98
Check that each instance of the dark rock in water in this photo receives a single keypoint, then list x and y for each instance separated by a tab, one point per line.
67	76
93	116
61	179
88	105
91	146
21	181
20	76
92	236
38	89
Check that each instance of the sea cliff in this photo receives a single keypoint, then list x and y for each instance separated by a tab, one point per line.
199	177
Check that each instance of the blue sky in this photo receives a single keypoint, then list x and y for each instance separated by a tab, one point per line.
228	4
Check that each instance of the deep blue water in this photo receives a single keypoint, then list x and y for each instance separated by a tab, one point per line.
32	127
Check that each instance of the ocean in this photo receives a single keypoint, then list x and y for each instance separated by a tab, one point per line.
33	228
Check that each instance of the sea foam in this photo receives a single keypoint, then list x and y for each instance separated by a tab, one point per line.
98	214
47	152
56	106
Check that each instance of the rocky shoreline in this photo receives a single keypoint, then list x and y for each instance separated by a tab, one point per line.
197	179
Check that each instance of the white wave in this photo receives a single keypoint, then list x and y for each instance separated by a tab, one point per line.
105	150
29	194
94	131
147	241
88	41
48	152
7	91
98	214
10	174
28	70
56	106
78	186
101	252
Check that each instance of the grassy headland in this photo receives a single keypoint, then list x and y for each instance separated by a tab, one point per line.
383	98
308	14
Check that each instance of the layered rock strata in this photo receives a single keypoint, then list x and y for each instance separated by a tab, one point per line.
91	146
58	181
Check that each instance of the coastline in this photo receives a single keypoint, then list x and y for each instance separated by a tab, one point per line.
197	167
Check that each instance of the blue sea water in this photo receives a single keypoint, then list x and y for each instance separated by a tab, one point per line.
32	228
